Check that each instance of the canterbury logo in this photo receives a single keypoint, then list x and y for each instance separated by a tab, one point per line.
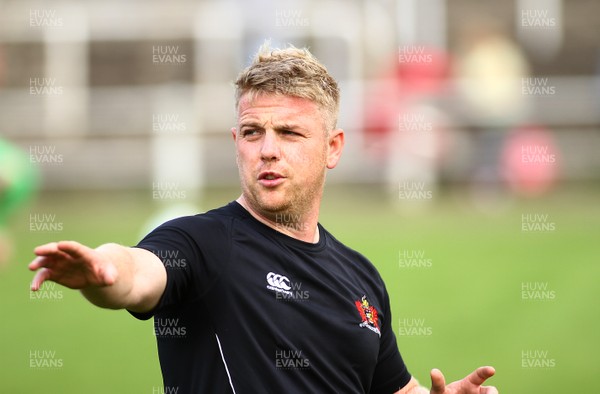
278	281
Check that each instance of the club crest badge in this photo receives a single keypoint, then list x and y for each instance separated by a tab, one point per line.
368	315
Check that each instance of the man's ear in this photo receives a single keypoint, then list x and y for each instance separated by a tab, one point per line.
234	134
335	145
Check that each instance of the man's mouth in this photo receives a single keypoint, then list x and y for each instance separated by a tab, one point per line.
269	175
270	178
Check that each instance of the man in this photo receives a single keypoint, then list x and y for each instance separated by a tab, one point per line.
270	301
18	183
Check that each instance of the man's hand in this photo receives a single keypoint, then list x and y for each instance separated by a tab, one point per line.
110	276
472	384
73	265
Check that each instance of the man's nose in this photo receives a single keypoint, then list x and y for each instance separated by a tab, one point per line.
270	146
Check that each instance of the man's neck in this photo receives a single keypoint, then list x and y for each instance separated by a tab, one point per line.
303	228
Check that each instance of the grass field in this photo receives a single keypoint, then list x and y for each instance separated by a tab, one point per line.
483	292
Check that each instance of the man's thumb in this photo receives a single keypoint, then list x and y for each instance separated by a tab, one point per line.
438	383
108	275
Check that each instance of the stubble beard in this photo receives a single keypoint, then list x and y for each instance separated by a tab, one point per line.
295	202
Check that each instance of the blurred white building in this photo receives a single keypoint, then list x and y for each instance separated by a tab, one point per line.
139	94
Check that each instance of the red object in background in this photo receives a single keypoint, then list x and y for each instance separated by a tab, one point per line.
530	161
422	73
416	73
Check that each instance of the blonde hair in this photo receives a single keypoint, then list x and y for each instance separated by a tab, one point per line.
291	72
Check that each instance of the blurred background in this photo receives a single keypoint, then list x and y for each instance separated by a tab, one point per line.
470	175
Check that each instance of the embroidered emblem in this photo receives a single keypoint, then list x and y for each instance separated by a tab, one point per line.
368	315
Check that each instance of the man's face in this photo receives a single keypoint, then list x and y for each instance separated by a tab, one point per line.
283	151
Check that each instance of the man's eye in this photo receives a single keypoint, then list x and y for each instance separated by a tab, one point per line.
289	132
249	132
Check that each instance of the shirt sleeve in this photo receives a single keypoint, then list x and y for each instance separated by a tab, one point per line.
390	373
192	253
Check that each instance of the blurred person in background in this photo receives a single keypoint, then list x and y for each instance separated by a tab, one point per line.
269	299
510	155
404	123
490	70
18	183
530	161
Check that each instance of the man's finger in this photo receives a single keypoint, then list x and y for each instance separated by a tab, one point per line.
40	262
438	383
74	249
46	249
480	375
489	390
40	277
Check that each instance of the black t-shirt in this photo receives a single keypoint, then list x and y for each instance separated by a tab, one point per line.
248	309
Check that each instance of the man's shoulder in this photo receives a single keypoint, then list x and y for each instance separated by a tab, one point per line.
214	216
358	258
206	225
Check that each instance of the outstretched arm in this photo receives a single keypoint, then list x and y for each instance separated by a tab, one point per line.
472	384
110	276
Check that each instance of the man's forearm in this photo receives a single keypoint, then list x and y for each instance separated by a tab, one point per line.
141	279
117	295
